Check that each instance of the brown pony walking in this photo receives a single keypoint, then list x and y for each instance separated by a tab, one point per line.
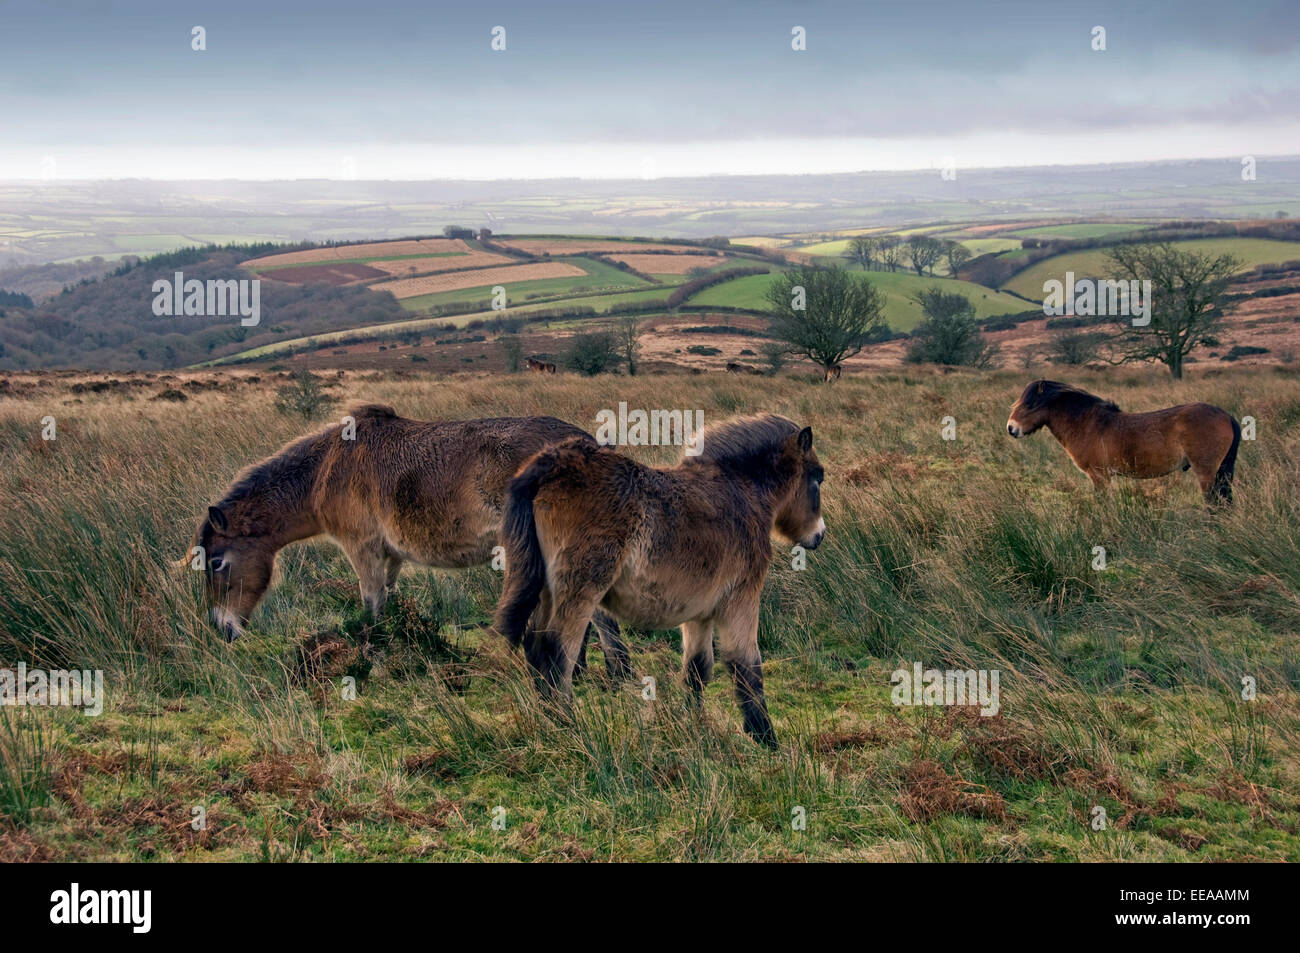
1103	441
387	491
689	546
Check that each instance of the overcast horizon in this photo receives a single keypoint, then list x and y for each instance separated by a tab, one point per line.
407	92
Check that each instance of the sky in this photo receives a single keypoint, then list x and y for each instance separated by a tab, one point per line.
414	90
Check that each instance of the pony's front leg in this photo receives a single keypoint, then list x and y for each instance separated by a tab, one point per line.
1100	479
618	664
370	564
738	638
392	569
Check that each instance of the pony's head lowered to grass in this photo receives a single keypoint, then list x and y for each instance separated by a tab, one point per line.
237	567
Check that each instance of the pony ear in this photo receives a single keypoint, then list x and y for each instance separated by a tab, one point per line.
1040	386
805	439
218	518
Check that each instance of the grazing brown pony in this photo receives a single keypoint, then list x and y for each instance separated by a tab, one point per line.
734	368
832	373
1103	441
540	367
689	546
392	491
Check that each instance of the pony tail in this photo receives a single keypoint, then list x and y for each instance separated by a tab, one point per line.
1223	479
525	566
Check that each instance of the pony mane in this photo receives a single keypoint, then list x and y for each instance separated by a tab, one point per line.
745	442
295	461
1070	398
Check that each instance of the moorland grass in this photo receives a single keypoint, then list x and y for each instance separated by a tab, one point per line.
1120	688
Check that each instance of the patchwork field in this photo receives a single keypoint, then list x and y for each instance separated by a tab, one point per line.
479	278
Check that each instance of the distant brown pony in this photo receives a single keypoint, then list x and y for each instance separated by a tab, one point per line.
1103	441
540	367
689	546
734	368
395	490
832	373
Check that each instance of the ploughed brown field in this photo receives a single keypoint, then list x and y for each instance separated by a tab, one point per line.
432	284
405	267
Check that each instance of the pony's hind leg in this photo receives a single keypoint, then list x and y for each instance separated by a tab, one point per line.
697	660
554	651
738	638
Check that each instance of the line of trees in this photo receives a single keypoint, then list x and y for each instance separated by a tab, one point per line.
920	252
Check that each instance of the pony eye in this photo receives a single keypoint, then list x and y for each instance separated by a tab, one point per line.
218	563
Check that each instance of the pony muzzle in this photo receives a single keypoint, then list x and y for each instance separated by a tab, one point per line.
816	538
230	625
1014	428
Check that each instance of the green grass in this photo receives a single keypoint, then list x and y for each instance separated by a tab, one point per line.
1249	251
1119	689
901	312
983	246
1081	230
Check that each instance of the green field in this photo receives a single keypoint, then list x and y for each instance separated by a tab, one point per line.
1081	230
1093	262
985	246
901	312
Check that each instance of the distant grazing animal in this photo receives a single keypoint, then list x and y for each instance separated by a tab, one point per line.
688	545
734	368
1103	441
400	490
540	367
832	373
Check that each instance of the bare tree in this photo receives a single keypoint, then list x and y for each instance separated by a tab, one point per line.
824	314
1186	302
629	333
958	254
862	249
924	252
890	248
